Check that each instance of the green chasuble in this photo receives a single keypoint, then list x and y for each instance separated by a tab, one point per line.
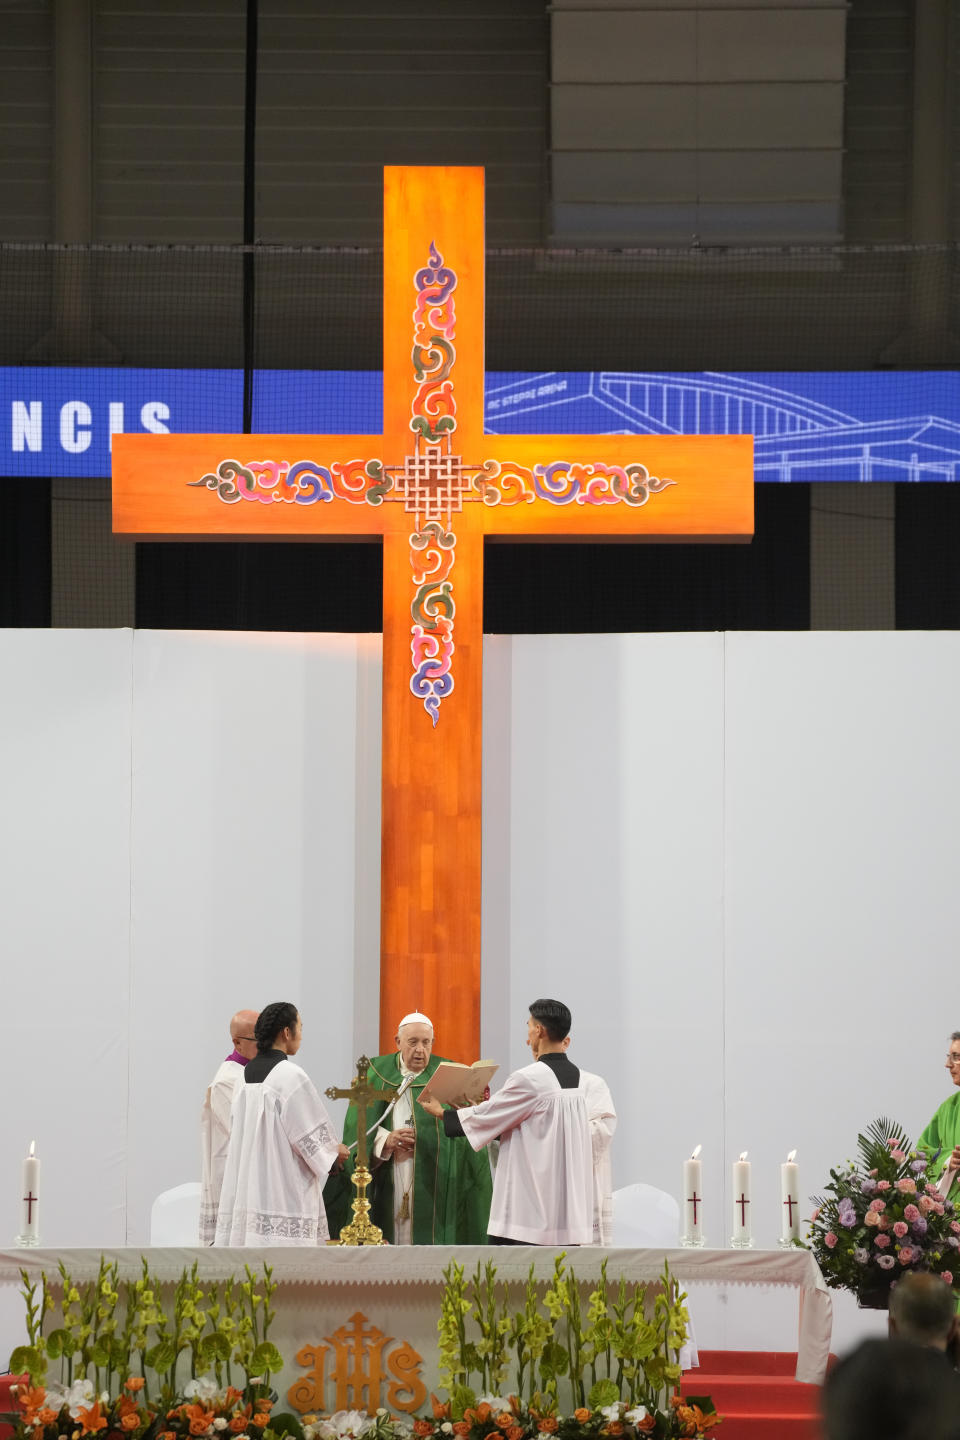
942	1134
452	1185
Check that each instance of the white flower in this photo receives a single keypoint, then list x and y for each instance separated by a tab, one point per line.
104	1397
638	1413
447	1428
611	1412
220	1423
345	1425
203	1388
79	1395
497	1404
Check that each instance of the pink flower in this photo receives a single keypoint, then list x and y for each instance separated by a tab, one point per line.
946	1275
871	1218
872	1173
885	1222
816	1214
906	1255
830	1239
938	1207
883	1184
877	1205
882	1241
926	1204
900	1229
955	1226
911	1213
906	1186
899	1156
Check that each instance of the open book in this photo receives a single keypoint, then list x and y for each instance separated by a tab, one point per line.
454	1084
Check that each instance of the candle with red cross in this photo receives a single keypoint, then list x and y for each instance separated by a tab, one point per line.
789	1201
29	1199
692	1234
742	1237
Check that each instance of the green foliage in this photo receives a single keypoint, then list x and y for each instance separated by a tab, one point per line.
604	1392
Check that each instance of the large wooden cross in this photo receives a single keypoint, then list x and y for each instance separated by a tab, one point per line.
433	485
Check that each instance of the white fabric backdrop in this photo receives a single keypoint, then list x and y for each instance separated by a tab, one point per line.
731	855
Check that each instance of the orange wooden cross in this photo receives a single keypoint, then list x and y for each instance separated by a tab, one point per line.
433	485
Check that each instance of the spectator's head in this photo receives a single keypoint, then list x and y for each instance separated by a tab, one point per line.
548	1026
279	1028
923	1309
892	1390
953	1057
242	1033
415	1041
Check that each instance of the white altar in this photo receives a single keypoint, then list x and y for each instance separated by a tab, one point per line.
397	1293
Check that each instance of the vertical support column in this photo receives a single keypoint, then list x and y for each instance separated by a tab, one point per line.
430	860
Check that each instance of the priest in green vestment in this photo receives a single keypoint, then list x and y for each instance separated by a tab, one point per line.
426	1189
941	1139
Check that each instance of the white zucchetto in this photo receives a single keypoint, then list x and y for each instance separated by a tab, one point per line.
415	1018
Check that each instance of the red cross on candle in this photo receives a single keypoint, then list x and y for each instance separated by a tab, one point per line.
743	1202
790	1202
694	1200
30	1200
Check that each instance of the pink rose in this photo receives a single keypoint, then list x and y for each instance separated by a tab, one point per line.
946	1275
906	1255
926	1204
885	1222
830	1239
816	1214
882	1241
900	1229
955	1226
906	1186
911	1213
883	1184
938	1207
897	1155
877	1205
871	1218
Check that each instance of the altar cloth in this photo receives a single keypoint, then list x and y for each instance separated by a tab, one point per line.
400	1286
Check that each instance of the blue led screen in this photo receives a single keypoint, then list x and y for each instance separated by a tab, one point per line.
824	425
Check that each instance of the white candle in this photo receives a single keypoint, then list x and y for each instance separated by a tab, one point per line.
29	1201
693	1200
789	1200
741	1201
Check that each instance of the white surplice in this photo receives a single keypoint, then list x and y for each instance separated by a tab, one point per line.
403	1170
282	1147
214	1139
543	1183
603	1122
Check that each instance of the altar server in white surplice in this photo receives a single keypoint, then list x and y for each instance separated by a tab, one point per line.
603	1122
543	1184
282	1145
215	1119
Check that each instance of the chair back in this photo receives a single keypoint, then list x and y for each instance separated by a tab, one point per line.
645	1218
175	1216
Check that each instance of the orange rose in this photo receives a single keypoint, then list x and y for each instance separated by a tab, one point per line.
129	1422
484	1410
505	1420
136	1382
260	1420
647	1423
199	1427
614	1428
166	1435
238	1424
461	1427
515	1432
548	1425
581	1415
264	1403
46	1416
422	1427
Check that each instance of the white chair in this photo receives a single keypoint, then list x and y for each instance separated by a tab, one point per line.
645	1218
175	1216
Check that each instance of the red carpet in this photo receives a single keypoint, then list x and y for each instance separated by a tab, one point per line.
755	1392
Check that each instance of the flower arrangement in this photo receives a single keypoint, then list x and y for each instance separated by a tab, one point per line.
119	1354
615	1366
880	1217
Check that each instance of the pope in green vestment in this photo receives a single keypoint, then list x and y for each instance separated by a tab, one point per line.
448	1197
942	1135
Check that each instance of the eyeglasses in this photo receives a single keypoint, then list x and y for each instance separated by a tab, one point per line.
953	1059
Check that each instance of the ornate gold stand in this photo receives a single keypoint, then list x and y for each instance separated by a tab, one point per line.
361	1229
